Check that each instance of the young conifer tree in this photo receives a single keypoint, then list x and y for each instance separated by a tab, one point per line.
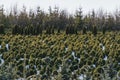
1	29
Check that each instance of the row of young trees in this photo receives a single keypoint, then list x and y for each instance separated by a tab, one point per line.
35	22
31	30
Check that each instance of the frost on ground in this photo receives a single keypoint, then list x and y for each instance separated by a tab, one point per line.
7	46
105	58
2	62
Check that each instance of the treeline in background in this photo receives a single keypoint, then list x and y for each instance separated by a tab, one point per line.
57	21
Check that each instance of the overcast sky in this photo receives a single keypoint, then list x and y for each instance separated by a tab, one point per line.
69	5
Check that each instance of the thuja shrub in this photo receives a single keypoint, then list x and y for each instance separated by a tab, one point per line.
15	29
104	30
94	30
84	30
2	29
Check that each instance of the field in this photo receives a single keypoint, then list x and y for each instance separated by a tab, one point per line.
61	56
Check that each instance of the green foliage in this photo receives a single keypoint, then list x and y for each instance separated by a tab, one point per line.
94	30
2	29
5	73
104	30
15	29
35	24
79	19
28	30
59	56
70	29
62	56
84	30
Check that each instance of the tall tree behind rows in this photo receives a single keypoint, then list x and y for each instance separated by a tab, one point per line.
79	19
59	19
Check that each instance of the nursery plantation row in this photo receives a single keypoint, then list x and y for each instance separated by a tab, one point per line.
60	56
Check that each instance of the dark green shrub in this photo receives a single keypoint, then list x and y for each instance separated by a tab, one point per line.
15	29
94	30
52	30
58	30
84	30
2	29
104	30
